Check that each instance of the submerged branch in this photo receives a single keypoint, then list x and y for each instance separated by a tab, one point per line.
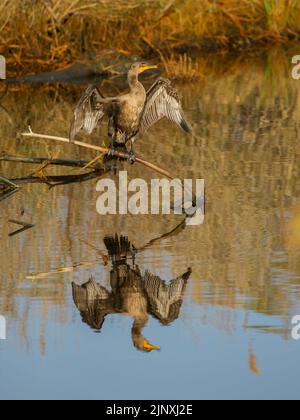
8	183
41	160
8	193
7	188
25	226
54	181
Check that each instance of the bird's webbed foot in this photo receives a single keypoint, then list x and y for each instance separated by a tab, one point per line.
131	158
131	154
110	159
112	152
110	166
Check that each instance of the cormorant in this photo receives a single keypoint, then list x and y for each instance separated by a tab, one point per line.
130	114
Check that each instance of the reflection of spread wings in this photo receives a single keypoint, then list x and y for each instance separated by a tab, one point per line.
94	303
165	300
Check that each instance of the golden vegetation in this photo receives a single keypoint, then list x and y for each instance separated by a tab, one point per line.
183	68
53	33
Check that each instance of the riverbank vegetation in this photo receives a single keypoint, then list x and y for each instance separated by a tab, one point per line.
51	34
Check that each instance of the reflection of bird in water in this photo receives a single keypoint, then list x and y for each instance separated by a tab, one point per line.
129	114
131	294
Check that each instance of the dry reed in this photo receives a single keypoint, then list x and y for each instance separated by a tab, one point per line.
51	34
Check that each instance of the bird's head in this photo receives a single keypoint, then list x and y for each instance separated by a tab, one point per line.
140	342
147	346
141	67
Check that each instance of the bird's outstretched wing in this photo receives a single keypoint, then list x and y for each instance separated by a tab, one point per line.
93	302
163	102
164	299
89	111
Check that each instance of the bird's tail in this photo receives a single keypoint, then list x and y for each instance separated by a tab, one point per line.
117	246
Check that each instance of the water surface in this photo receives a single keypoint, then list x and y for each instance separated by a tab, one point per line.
229	333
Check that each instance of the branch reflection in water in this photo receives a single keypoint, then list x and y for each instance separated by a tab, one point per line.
132	294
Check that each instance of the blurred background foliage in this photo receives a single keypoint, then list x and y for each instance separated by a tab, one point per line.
47	34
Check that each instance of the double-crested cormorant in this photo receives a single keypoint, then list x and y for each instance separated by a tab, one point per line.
130	114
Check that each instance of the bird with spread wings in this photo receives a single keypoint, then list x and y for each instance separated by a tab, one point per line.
129	114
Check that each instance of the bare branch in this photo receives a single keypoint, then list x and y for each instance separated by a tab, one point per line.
100	149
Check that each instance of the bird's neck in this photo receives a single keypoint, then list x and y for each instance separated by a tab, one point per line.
133	82
139	324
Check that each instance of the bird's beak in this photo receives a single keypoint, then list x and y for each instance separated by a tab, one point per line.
149	347
147	67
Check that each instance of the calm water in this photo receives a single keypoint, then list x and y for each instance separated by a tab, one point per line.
225	329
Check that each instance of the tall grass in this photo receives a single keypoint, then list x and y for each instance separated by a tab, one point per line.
49	33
